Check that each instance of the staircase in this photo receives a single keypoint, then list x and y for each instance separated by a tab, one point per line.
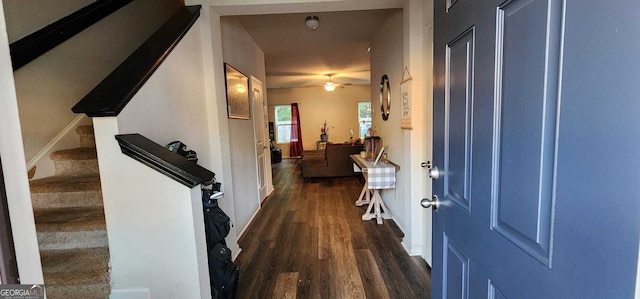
70	224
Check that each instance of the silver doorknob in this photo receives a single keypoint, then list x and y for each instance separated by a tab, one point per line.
433	202
434	173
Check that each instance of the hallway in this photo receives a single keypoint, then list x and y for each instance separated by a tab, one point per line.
308	241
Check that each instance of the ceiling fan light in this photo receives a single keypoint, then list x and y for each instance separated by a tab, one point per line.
330	86
312	22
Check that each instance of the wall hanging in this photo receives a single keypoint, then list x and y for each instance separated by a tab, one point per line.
385	98
237	85
405	100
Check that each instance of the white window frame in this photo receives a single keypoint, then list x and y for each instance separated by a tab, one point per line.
279	124
362	132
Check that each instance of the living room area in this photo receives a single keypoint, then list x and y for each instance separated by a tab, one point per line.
326	143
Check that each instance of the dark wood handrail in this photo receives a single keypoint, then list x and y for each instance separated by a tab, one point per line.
35	44
117	89
166	162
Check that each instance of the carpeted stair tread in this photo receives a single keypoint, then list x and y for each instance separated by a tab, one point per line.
70	219
84	130
66	183
49	200
87	260
81	153
76	278
84	291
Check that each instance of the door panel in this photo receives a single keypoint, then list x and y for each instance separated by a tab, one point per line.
536	130
494	293
527	72
457	271
459	102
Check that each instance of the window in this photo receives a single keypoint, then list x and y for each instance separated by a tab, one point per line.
364	118
283	123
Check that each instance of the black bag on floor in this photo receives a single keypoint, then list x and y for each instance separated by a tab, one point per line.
216	223
223	273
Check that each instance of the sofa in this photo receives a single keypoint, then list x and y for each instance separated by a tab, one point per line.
333	161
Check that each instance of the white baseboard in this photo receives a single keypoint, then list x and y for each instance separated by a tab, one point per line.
246	225
235	251
47	148
133	293
270	190
416	251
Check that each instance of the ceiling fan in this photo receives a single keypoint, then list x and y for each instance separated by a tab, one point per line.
331	86
294	80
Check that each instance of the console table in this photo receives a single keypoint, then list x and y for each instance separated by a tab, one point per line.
321	145
378	177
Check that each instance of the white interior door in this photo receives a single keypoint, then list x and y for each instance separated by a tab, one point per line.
259	129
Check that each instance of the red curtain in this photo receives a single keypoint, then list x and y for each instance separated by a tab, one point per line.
295	145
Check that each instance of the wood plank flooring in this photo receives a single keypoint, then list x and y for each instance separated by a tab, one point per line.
308	241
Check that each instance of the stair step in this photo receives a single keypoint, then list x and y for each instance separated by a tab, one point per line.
76	161
66	199
87	139
66	192
76	167
81	153
69	228
66	183
70	219
86	291
58	263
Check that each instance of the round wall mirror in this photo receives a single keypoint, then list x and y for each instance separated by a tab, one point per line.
385	104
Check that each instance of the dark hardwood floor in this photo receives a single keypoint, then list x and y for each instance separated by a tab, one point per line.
308	241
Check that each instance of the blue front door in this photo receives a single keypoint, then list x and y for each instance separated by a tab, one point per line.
537	143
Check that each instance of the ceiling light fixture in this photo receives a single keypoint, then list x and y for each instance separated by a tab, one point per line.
312	22
330	85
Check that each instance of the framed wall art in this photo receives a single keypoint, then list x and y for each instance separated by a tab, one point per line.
237	85
405	101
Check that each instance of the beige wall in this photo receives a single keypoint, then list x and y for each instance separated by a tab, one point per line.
339	108
155	225
387	59
241	51
49	86
27	16
407	148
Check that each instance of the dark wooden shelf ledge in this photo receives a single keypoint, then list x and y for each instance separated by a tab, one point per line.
115	91
161	159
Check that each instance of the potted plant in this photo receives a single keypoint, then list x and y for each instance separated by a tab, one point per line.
324	131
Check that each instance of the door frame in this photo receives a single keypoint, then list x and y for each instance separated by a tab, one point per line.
417	15
8	263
